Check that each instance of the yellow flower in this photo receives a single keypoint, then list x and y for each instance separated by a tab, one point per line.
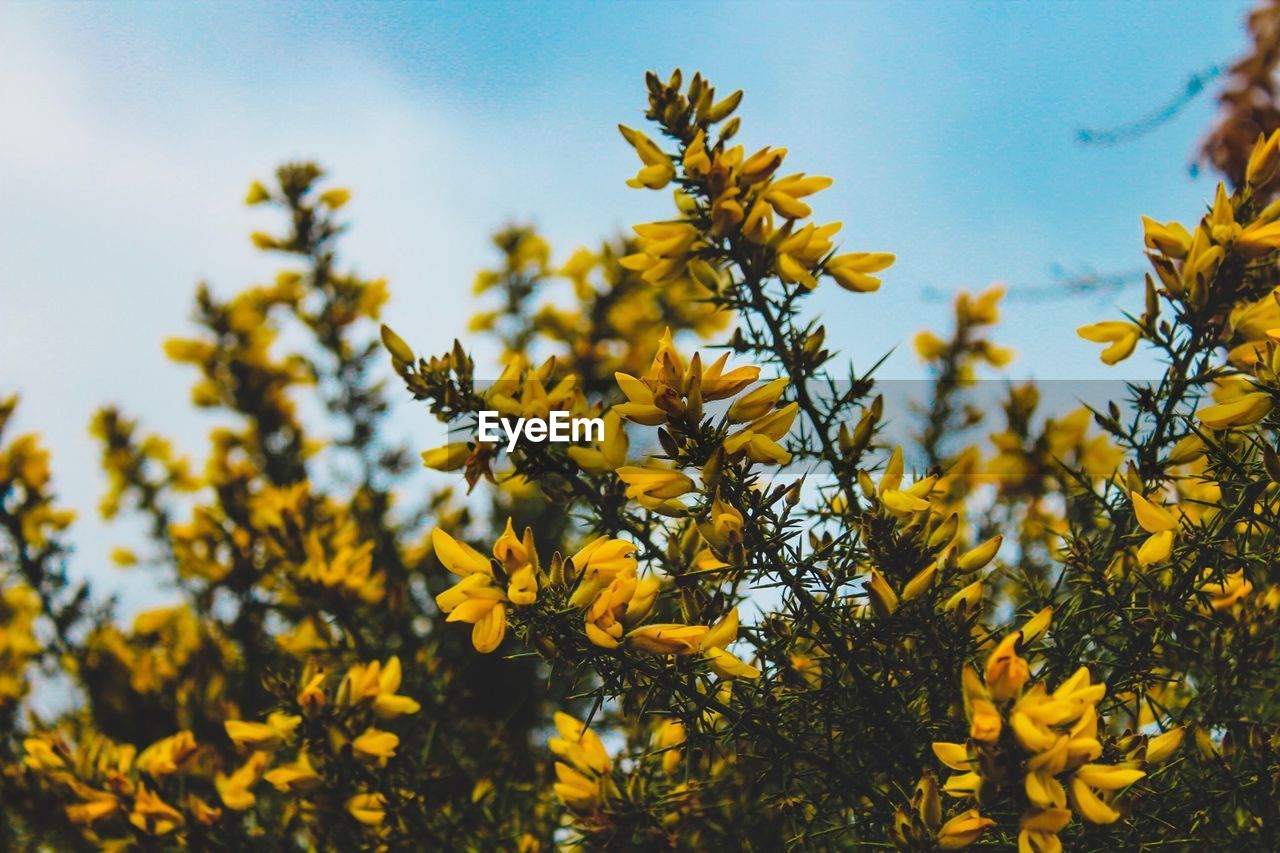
883	599
101	806
369	809
576	790
605	558
668	638
962	830
1160	524
717	384
706	561
375	745
963	784
1202	262
268	736
727	665
1080	690
1243	411
517	559
168	756
664	254
582	783
262	240
234	789
204	813
298	777
1162	746
41	755
1122	337
579	746
954	755
510	550
475	600
642	601
985	722
311	697
696	161
759	439
968	598
1087	803
653	487
1006	670
928	346
1038	830
671	736
1170	239
724	528
523	588
758	402
783	194
257	194
640	406
447	457
152	814
854	271
658	169
1226	593
604	457
379	683
1221	220
624	601
1263	160
714	644
335	198
458	557
1259	239
762	164
1035	627
904	502
792	271
758	225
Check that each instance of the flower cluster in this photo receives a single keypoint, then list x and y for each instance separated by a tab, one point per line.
1028	737
761	604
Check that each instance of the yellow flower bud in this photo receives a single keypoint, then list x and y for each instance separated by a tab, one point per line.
1161	747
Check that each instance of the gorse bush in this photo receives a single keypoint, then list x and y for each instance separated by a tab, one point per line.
744	618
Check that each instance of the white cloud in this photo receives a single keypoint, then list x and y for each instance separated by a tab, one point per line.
115	204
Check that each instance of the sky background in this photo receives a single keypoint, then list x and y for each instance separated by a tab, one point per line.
129	132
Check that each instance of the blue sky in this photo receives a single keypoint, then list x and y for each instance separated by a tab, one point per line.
131	130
